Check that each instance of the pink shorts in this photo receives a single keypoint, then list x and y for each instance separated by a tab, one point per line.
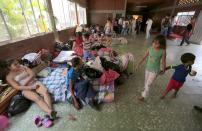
173	84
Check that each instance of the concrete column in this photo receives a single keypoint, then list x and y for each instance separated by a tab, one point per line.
52	19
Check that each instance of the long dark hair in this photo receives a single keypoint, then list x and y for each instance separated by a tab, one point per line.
4	68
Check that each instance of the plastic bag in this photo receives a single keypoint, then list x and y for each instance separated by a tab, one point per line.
18	105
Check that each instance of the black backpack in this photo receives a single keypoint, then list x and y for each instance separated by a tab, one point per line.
92	73
18	105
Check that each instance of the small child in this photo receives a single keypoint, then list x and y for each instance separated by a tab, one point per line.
154	55
80	89
73	77
77	44
180	74
86	46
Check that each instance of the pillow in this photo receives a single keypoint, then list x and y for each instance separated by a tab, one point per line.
45	72
64	56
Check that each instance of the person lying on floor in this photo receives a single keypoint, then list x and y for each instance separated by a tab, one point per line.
23	78
81	90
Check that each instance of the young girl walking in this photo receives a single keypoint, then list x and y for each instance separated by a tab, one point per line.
154	55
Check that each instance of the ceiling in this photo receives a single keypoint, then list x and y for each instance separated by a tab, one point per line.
139	5
145	2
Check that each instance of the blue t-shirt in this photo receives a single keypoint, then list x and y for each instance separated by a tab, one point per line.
72	75
181	73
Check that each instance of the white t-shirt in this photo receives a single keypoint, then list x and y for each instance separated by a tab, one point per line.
120	22
149	23
133	23
125	24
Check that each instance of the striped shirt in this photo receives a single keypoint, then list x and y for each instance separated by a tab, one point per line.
87	45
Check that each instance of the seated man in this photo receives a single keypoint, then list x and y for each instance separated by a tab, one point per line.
80	89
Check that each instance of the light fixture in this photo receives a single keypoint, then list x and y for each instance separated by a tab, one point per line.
141	6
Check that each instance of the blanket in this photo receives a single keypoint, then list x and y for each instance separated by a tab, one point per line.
55	84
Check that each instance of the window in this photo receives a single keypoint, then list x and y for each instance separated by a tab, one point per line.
185	2
23	18
64	12
183	18
81	15
4	35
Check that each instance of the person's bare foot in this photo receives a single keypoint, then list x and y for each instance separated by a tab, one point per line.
141	99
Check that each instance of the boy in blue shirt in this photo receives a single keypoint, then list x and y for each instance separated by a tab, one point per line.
180	74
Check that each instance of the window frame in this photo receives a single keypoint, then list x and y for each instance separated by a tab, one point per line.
183	14
66	16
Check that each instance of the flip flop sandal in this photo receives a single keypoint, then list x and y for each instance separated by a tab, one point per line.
53	115
38	121
47	122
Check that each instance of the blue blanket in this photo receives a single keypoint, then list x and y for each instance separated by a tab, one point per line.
55	84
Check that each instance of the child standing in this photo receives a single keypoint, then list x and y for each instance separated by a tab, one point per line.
180	74
154	55
77	45
86	46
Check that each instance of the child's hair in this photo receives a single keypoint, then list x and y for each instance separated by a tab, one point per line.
75	61
86	35
161	40
187	57
78	34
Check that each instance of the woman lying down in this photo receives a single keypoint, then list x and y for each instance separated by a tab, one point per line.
81	90
23	78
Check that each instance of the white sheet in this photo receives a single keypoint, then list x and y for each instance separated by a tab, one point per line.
64	56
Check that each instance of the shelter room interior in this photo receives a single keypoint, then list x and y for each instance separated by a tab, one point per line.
100	65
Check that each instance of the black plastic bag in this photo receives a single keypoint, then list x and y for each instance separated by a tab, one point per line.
18	105
92	73
110	65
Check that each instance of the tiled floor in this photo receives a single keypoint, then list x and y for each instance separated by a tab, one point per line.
126	113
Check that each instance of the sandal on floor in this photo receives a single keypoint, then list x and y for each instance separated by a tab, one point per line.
53	115
38	121
47	122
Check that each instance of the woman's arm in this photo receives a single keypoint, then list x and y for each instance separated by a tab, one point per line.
143	59
31	75
16	85
74	44
164	61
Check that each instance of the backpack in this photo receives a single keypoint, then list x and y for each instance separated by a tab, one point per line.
18	105
92	73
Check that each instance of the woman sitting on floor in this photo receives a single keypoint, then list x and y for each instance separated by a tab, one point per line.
23	78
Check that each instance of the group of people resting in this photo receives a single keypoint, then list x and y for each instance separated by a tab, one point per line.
22	78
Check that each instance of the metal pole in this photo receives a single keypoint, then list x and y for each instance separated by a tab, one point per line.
77	19
34	15
64	13
69	13
173	9
41	14
2	16
50	10
23	13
